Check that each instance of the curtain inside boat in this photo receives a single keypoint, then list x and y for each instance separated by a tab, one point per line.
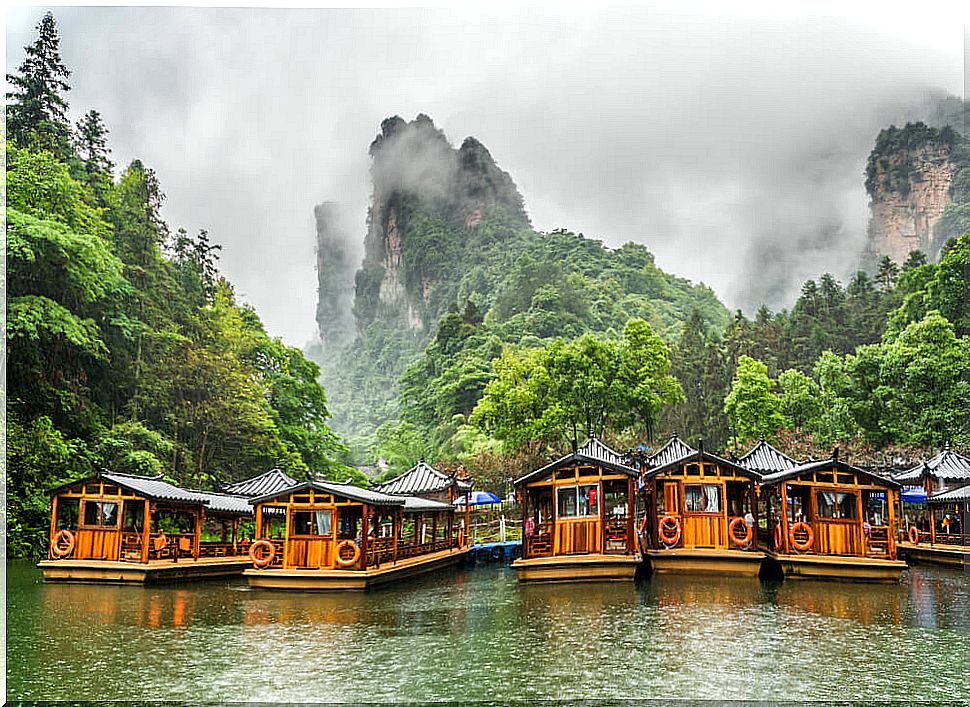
323	522
712	499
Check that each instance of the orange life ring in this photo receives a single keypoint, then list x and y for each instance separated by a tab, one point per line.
914	534
262	560
801	546
343	562
778	537
62	551
748	532
672	524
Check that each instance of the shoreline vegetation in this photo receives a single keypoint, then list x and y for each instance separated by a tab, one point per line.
128	350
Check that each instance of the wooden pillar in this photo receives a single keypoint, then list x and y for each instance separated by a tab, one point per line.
197	540
893	498
286	533
653	515
631	509
783	493
434	529
395	529
53	530
364	532
235	539
932	525
146	531
753	500
468	517
258	532
861	521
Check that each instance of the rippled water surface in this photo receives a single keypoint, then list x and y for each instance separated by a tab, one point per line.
477	634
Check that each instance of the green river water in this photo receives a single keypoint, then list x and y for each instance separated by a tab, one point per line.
477	634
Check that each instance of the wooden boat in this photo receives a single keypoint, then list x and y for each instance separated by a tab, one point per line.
945	537
121	528
831	520
578	519
326	535
701	513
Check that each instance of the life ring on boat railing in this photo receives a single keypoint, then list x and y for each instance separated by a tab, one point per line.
914	534
347	561
745	541
60	550
669	530
778	536
806	544
259	558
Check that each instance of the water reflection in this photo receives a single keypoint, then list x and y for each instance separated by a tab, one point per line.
432	638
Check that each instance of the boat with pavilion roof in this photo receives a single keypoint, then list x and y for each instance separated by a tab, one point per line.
578	518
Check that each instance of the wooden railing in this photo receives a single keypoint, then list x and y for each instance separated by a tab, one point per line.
540	543
947	539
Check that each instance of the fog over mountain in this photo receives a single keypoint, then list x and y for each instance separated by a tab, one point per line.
732	146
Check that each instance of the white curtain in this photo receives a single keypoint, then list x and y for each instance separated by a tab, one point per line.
713	497
323	522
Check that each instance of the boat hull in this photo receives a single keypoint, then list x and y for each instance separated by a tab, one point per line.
948	556
157	571
736	563
351	580
860	569
578	568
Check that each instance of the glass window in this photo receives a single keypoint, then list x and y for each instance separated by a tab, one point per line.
836	504
100	513
311	523
67	510
578	501
704	498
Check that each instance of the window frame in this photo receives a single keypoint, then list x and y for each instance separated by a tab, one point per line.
720	499
83	514
575	489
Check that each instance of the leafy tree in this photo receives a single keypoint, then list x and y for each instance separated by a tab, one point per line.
37	109
91	145
750	404
799	398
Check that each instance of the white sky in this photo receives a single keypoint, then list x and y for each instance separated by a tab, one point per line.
731	143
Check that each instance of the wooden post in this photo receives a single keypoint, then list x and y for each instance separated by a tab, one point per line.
54	519
364	532
861	521
631	508
286	533
395	529
146	531
783	493
235	528
434	530
753	500
932	525
893	498
258	532
468	517
197	541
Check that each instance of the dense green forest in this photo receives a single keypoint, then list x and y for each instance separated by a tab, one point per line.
126	349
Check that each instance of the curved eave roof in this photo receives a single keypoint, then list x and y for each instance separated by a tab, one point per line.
413	504
349	491
705	457
765	459
577	458
946	466
422	478
673	450
772	479
959	494
268	482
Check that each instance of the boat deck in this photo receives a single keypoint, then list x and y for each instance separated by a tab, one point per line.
332	579
114	572
710	561
863	569
578	568
947	555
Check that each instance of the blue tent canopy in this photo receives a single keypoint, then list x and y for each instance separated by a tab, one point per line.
478	498
915	495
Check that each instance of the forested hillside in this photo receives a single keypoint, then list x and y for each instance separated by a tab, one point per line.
126	349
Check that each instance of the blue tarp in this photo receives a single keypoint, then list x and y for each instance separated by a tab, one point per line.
478	498
914	495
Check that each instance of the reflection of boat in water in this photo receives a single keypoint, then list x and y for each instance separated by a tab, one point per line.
866	604
578	519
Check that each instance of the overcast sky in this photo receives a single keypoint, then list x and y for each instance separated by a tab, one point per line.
732	145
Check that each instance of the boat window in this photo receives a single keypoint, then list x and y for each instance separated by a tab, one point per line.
569	473
693	470
846	478
704	498
825	476
578	501
101	514
67	512
93	489
301	498
836	504
311	523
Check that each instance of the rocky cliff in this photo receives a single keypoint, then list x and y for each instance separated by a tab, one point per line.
335	277
909	179
425	191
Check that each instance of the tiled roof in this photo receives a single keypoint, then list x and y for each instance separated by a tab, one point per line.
354	493
961	493
947	466
269	482
153	488
592	452
414	504
422	478
780	476
765	459
674	449
225	502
